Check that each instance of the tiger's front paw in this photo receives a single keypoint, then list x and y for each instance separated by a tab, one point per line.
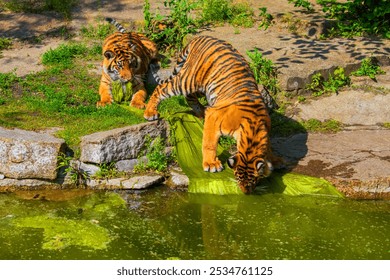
137	104
212	167
150	114
102	103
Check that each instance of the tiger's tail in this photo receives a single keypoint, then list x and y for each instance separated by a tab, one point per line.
118	26
180	62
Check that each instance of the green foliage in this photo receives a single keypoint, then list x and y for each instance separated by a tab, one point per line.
218	11
156	156
176	25
72	168
264	70
358	17
265	18
7	81
107	171
227	142
99	32
319	85
36	6
386	125
242	15
302	3
64	54
215	11
5	43
368	68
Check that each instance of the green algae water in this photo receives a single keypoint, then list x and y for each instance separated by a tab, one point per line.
165	224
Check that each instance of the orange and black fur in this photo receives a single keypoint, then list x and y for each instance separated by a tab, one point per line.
213	68
127	56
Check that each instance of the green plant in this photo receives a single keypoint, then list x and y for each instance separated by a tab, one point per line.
302	3
99	32
156	156
319	85
264	70
72	168
368	68
215	11
219	11
106	171
265	18
386	125
242	15
358	17
169	31
5	43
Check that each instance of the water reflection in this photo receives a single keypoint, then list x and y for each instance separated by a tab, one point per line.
163	224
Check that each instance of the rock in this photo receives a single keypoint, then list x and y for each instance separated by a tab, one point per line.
178	180
119	144
354	107
90	169
27	184
354	161
142	182
27	154
126	165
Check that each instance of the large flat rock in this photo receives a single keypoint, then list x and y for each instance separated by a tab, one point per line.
350	107
356	161
28	154
119	144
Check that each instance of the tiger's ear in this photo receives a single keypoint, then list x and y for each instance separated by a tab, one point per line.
232	161
109	54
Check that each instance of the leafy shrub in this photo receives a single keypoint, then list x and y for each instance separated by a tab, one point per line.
157	159
264	70
359	17
169	31
319	85
5	43
368	68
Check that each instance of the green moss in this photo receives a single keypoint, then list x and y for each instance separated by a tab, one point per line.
59	232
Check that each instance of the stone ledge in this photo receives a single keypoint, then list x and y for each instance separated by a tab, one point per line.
27	154
121	143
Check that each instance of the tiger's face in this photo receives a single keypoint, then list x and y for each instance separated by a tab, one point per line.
120	66
248	172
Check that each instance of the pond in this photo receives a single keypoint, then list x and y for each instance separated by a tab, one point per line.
166	224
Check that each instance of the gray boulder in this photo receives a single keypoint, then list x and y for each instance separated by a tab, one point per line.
119	144
28	154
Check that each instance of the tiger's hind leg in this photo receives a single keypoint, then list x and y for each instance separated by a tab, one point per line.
211	135
139	97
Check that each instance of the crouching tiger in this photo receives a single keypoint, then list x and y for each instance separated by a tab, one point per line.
126	57
213	68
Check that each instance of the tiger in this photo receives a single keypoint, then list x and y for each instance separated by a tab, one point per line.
213	68
126	57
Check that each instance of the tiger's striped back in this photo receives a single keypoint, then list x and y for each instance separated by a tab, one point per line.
213	68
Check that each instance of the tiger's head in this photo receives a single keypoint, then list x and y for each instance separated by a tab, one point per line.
249	171
120	60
